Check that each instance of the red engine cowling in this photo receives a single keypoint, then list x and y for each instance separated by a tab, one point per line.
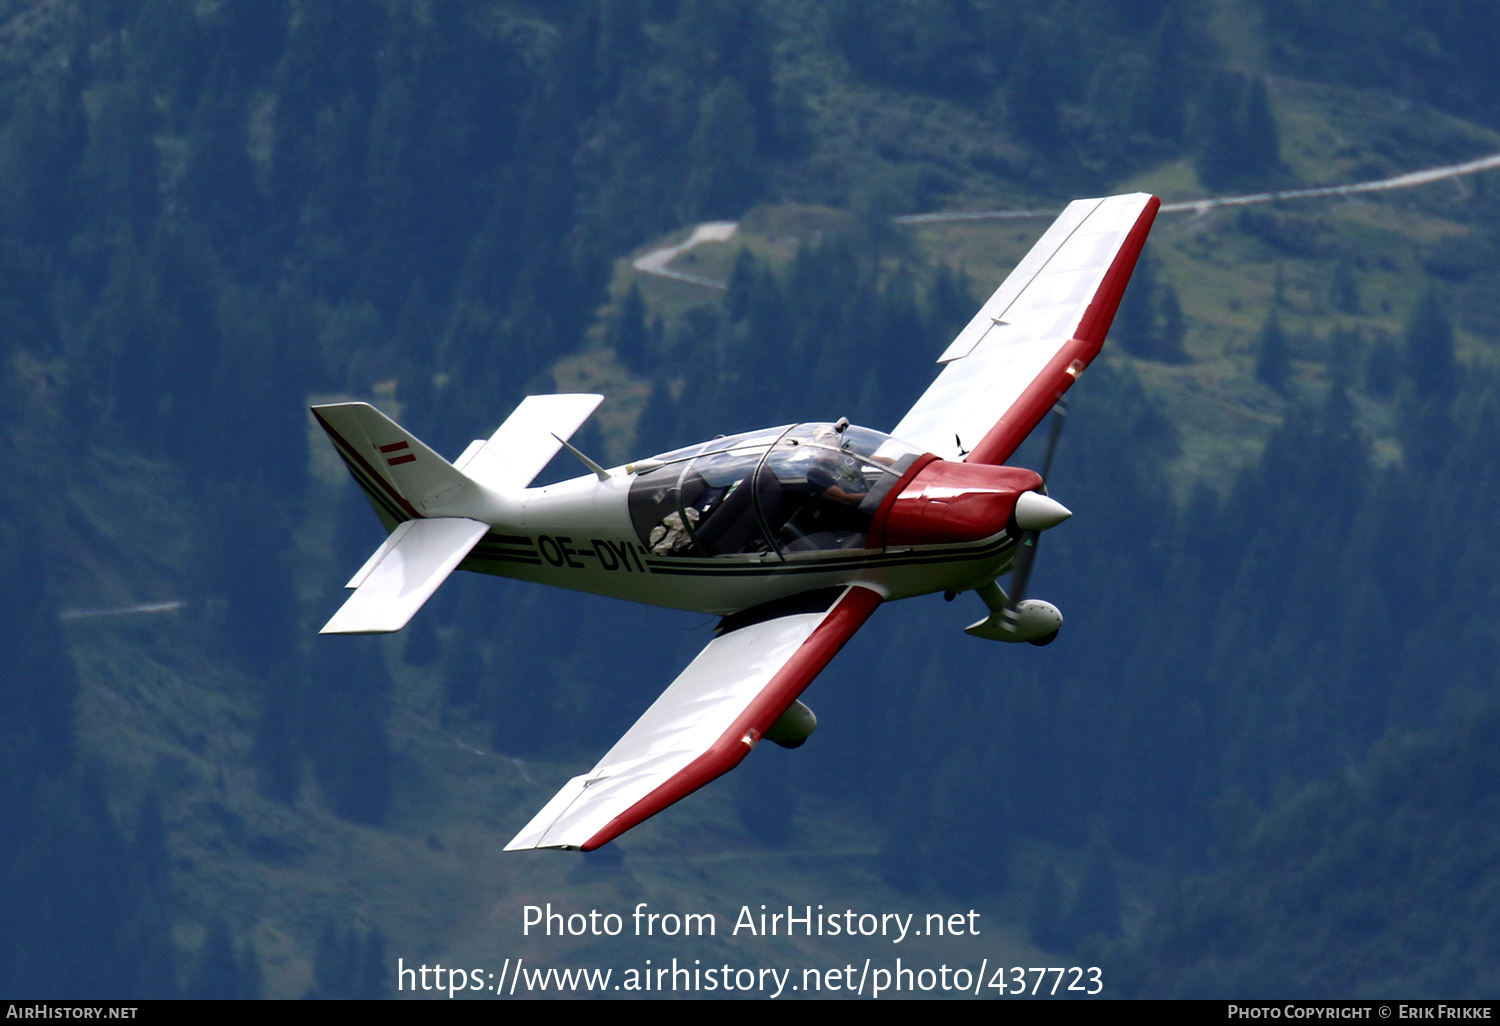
956	502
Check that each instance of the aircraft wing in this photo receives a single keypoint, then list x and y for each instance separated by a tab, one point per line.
1035	336
709	719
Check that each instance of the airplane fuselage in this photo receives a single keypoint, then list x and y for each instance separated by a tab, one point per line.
592	535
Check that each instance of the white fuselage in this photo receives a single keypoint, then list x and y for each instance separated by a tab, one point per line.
578	534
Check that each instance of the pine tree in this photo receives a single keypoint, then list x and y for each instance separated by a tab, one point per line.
1273	362
1173	330
628	335
1344	292
1135	320
1259	142
725	178
1240	146
1163	112
1430	359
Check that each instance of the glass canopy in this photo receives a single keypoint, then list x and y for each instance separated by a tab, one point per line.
802	489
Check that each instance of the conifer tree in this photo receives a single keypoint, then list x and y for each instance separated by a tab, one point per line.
1344	291
1135	321
724	178
1273	362
628	334
1430	362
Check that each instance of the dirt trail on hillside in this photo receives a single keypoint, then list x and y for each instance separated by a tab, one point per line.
658	261
1406	181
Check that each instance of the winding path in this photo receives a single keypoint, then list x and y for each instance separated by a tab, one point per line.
658	261
1406	181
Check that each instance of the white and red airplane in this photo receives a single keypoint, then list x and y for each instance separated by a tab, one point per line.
793	535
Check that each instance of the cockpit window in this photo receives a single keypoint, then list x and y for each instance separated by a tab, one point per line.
807	488
668	505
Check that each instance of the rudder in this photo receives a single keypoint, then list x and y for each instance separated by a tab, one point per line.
402	477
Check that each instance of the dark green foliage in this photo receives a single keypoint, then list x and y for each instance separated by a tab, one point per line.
1345	288
1375	884
901	858
1087	90
1239	144
766	801
1287	234
463	669
1429	351
350	964
38	684
844	340
223	973
1273	358
723	180
628	335
278	750
939	838
344	726
1426	425
1440	52
1149	322
656	430
1160	105
1382	366
422	644
1172	329
84	913
929	45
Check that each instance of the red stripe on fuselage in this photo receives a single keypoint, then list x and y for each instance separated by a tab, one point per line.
846	617
1043	393
393	447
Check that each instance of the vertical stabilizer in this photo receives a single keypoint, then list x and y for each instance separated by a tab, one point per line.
403	478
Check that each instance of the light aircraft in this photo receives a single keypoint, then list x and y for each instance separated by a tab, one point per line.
793	535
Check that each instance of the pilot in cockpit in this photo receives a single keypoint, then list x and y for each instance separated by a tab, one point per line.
831	470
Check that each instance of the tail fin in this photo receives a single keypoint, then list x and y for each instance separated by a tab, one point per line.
402	477
435	512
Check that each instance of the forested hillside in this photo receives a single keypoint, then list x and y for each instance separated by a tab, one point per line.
1259	759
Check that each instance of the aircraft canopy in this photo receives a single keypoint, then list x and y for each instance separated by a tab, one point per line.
799	489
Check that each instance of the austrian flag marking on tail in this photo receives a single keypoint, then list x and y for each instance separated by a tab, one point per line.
396	461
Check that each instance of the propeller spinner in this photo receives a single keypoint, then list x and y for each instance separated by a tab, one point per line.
1013	617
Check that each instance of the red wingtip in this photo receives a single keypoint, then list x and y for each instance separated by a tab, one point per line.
1070	362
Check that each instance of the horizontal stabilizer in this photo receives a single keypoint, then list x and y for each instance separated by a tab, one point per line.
416	559
527	441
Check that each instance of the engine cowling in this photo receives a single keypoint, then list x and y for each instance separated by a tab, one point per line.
957	502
